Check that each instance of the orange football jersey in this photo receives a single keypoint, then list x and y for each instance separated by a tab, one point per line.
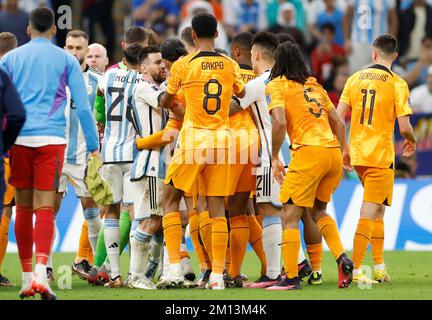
377	96
209	80
306	112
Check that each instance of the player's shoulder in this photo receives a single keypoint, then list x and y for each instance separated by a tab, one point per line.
399	81
145	86
313	82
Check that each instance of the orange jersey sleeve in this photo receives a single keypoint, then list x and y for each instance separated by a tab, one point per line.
307	118
377	97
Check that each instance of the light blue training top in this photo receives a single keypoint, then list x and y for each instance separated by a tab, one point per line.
41	71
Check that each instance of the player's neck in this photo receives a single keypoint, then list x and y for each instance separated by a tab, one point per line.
205	45
385	63
245	62
263	67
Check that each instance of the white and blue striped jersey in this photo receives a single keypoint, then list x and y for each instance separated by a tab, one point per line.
370	19
118	144
148	119
255	98
75	152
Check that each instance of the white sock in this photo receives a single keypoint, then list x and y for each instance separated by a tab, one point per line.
183	247
272	239
357	271
94	222
40	272
166	263
379	266
156	247
301	255
112	244
26	279
140	244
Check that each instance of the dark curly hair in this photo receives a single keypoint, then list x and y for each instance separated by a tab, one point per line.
290	63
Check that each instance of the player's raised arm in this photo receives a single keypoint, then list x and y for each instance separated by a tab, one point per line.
80	98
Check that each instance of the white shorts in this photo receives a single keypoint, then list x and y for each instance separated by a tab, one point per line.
118	176
267	188
148	193
74	173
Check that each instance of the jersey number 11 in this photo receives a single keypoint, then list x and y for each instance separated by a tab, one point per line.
371	108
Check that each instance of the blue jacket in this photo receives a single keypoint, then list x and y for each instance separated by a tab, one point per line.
41	71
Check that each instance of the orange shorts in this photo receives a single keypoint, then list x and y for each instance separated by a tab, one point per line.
210	169
10	191
314	172
377	183
242	178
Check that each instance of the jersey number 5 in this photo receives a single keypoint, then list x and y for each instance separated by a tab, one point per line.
372	104
215	96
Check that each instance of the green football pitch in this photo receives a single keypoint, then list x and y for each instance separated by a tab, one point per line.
411	274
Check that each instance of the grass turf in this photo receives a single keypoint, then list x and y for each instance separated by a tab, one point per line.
410	271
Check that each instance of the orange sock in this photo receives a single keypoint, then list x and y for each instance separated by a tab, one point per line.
4	232
362	239
255	240
315	252
90	257
328	228
219	235
194	230
84	243
239	238
377	242
205	230
172	229
290	249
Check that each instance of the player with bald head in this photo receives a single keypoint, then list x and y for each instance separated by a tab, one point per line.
97	57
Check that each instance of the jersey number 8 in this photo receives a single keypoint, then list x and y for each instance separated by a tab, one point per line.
215	96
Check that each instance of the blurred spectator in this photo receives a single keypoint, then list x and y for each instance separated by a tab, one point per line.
15	21
160	15
97	57
186	38
246	15
217	5
248	18
29	5
276	7
324	52
8	42
330	13
365	20
338	77
100	12
415	24
197	7
286	23
405	4
421	96
417	71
